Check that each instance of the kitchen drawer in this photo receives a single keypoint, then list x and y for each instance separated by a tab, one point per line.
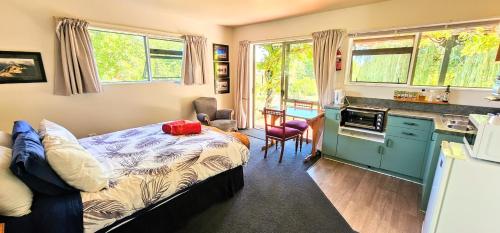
408	133
410	123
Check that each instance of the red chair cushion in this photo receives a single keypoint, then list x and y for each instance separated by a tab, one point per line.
182	127
278	132
297	124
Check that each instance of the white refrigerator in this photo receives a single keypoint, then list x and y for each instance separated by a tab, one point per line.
465	195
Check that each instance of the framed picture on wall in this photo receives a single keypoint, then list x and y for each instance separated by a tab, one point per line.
222	85
221	69
221	52
21	67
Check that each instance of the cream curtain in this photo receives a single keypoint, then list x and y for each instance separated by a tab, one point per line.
242	93
194	66
325	46
76	69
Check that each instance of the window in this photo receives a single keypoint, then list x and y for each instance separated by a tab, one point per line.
300	81
127	57
459	57
382	60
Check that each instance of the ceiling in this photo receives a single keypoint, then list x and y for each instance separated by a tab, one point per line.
243	12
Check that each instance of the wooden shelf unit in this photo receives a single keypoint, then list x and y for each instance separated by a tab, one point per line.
413	100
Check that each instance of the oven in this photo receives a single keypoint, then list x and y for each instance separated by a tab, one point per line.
368	118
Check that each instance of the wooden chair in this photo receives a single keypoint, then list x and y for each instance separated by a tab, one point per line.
301	124
279	132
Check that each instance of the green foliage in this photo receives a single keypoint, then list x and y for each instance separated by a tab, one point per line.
300	73
268	75
122	57
119	57
298	70
166	67
470	62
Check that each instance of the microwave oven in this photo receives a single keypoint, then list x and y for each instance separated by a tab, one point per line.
364	117
482	142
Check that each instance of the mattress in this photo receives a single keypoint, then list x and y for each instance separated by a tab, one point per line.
147	166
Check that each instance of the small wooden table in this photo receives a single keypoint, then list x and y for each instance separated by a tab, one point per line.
314	119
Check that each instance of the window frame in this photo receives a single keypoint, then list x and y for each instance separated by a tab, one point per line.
146	37
411	70
411	66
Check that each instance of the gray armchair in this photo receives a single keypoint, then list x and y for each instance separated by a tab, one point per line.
207	114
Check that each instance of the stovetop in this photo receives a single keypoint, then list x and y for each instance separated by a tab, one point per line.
369	107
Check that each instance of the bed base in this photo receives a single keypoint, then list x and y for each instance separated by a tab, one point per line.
175	212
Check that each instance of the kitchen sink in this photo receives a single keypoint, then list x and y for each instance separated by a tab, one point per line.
457	122
461	127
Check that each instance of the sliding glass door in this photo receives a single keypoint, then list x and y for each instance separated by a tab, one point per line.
267	79
283	73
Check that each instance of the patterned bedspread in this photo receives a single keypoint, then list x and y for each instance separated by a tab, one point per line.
147	166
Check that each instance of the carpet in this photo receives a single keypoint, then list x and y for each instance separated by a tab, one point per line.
276	198
255	133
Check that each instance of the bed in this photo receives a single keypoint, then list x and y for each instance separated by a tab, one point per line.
156	181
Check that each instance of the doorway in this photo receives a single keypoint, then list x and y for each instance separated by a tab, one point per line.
283	73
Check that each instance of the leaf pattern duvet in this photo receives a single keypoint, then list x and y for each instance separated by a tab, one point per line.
147	166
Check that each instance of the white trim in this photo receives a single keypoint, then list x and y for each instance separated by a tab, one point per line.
414	53
429	27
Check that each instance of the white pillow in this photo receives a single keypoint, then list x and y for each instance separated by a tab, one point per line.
5	139
53	129
15	196
74	164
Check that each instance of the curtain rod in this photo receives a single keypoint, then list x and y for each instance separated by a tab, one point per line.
126	29
431	27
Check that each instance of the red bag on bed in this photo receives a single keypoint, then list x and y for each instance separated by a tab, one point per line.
182	127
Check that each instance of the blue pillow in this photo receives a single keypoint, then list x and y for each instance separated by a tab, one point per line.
20	127
30	165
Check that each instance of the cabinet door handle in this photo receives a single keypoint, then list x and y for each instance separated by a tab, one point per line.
409	123
408	133
380	150
388	142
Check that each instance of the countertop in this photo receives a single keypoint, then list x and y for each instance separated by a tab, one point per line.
437	118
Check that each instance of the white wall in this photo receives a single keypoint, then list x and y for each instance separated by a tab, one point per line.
377	16
29	26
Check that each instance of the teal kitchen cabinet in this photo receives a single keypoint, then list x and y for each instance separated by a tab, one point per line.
359	150
404	156
406	146
432	159
330	134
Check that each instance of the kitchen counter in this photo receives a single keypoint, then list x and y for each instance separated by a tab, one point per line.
439	125
437	118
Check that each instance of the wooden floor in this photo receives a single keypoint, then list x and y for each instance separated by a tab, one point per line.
369	201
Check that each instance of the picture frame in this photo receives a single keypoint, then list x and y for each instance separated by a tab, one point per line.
221	52
222	85
21	67
221	69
